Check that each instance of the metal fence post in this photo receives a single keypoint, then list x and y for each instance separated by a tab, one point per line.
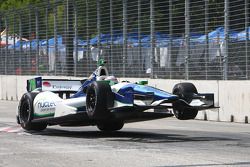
111	34
187	38
207	40
7	43
70	39
247	35
55	38
141	62
65	38
63	68
0	26
87	37
30	38
76	37
152	37
14	42
37	41
21	43
226	27
98	27
124	37
1	50
170	35
47	29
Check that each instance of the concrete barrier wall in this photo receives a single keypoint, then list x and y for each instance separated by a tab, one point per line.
233	97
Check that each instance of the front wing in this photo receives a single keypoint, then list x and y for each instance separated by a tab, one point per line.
144	102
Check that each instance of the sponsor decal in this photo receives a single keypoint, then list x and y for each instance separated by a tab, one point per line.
62	87
46	84
46	104
57	85
44	115
46	107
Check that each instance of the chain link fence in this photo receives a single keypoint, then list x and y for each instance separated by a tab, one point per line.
174	39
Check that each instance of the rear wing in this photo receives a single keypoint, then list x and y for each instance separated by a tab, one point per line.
54	85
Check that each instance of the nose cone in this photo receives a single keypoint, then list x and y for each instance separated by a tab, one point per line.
158	94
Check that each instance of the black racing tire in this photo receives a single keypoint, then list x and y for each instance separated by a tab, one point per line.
99	98
26	113
185	92
110	126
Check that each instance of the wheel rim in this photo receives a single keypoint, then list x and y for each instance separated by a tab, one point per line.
91	100
24	112
178	93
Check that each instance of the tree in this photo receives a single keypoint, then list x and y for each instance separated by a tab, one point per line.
10	4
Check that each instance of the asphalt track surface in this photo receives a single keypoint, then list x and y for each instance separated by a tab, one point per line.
159	143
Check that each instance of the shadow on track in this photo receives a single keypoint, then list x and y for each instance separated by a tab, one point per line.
131	136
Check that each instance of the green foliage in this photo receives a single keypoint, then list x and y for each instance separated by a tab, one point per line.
16	4
22	10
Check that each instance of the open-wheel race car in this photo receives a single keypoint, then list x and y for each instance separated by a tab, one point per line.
104	102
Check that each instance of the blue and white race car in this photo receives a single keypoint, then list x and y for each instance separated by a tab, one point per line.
103	101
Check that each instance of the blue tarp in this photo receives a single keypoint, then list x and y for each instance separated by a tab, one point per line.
218	35
42	43
81	42
33	44
17	45
51	41
132	39
241	36
104	39
162	40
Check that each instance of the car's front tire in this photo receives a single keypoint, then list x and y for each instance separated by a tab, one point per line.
99	98
185	92
26	113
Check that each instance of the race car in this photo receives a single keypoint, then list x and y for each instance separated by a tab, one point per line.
104	102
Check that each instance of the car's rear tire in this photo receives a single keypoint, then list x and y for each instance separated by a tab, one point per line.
185	91
26	113
99	98
110	126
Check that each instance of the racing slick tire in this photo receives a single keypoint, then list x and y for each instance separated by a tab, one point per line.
110	126
185	91
99	98
26	113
